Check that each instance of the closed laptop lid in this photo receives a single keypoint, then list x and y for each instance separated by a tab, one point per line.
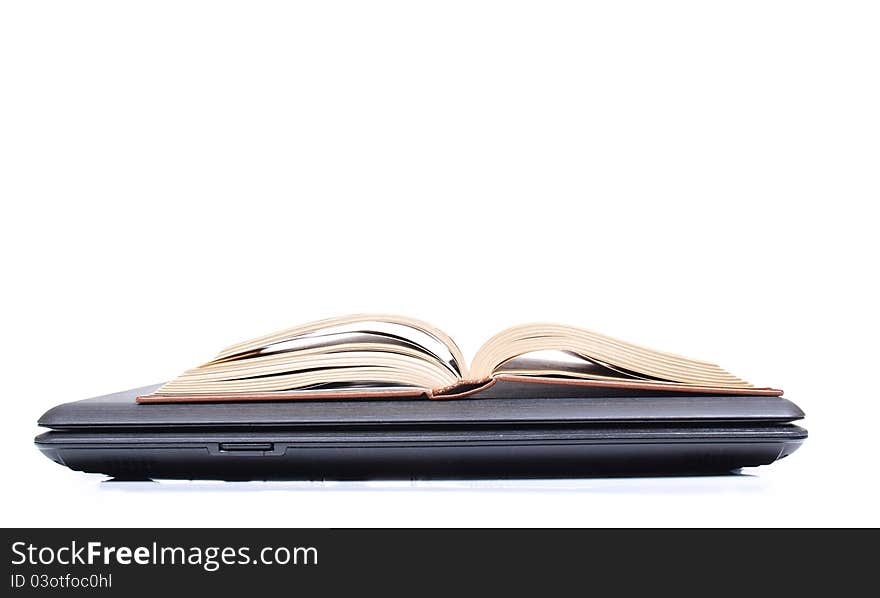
120	410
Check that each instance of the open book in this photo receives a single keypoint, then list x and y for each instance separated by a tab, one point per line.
387	356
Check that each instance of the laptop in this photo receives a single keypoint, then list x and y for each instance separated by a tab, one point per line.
494	436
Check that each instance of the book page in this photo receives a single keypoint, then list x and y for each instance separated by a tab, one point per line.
563	364
417	332
354	351
629	359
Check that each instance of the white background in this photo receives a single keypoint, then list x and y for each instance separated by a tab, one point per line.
700	177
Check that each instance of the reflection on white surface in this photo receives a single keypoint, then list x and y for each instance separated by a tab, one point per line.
736	483
788	493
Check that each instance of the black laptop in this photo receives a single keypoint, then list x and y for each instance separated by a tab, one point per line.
387	396
493	437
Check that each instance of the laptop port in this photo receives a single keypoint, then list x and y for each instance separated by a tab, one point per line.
246	446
